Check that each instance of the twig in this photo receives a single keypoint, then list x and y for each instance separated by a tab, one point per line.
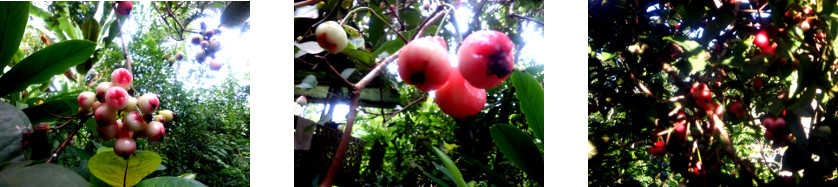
62	125
379	17
57	116
526	18
396	12
644	89
335	71
405	107
308	2
124	50
69	137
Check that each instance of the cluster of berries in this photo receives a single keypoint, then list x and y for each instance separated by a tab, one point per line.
208	46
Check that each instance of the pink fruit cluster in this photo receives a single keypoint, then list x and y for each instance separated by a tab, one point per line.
123	117
485	61
208	47
775	128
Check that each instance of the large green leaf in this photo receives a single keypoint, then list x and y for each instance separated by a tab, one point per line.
518	147
111	168
41	175
13	18
43	64
12	123
235	13
531	95
169	181
63	105
455	172
90	29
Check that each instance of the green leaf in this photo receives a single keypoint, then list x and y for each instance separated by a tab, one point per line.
389	47
43	64
531	95
12	121
235	13
111	168
518	147
347	72
41	175
365	57
69	27
493	176
65	104
310	47
455	172
169	181
825	7
90	29
13	18
188	176
308	83
435	179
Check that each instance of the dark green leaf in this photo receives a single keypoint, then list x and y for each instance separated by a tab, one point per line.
90	30
35	175
235	13
455	172
531	95
63	105
347	72
43	64
12	123
518	147
308	83
13	18
493	176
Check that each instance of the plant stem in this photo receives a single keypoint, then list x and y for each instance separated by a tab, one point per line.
124	50
69	137
125	175
379	17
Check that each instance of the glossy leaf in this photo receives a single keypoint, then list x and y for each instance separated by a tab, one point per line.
308	83
43	64
518	147
13	18
236	13
111	168
456	176
63	105
12	123
41	175
90	29
531	97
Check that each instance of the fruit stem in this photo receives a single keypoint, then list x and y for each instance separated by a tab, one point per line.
376	15
442	22
69	137
125	175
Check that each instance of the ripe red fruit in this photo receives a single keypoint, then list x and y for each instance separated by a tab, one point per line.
658	149
124	147
116	98
738	109
486	58
134	121
761	39
122	77
703	97
109	131
424	63
196	40
459	99
757	84
104	115
124	7
155	131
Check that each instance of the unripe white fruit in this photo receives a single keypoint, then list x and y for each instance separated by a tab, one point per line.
86	100
134	121
215	45
104	115
167	114
101	89
200	57
124	146
130	104
302	101
805	26
331	36
214	65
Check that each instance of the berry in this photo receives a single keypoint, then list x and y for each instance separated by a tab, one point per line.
658	148
117	98
101	89
109	131
423	63
757	84
214	65
203	26
122	77
805	26
215	45
196	40
426	6
331	36
124	147
486	58
200	57
208	33
130	104
134	121
155	131
42	127
148	103
167	114
459	99
179	56
124	8
104	115
96	105
738	109
302	101
86	100
204	44
703	97
761	39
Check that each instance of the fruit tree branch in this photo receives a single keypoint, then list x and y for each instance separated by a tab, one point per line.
69	137
124	50
425	95
304	3
526	18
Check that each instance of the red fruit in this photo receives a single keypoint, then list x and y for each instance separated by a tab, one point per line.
659	143
486	58
124	7
769	135
104	115
738	109
761	39
779	125
459	99
768	123
214	65
757	84
86	100
134	121
155	131
117	98
124	147
807	11
148	103
424	63
109	131
122	77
